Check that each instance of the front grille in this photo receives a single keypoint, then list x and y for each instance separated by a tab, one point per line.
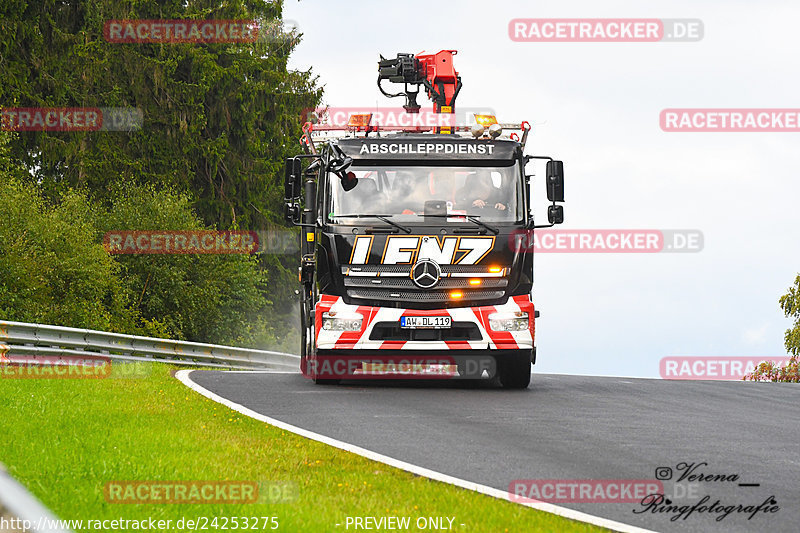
391	331
396	270
408	283
421	296
392	284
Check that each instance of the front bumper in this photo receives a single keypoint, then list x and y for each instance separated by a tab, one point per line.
473	331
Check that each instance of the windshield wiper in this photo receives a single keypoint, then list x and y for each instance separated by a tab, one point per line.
379	217
472	218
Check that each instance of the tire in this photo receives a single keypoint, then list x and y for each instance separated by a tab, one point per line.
303	332
514	370
306	332
307	343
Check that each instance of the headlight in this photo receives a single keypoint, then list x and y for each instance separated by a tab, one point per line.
517	321
336	322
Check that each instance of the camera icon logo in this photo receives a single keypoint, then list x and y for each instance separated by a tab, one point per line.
663	473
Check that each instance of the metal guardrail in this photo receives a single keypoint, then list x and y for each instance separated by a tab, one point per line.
17	505
33	340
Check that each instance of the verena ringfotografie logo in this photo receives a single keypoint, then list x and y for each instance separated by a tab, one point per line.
605	30
390	117
690	480
617	241
583	490
181	242
730	120
712	368
70	119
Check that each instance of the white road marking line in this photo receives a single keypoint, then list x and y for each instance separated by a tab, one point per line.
183	377
263	371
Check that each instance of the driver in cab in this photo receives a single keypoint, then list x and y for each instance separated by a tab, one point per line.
479	193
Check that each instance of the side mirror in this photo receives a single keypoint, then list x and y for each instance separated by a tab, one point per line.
291	177
291	211
555	181
349	180
555	214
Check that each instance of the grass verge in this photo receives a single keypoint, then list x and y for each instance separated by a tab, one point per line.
65	439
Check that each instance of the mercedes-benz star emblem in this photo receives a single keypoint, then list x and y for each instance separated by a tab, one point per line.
426	274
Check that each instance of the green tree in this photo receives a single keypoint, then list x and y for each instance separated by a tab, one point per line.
771	371
790	304
218	118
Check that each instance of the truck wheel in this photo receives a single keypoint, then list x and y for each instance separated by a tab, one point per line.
304	351
514	370
307	343
306	336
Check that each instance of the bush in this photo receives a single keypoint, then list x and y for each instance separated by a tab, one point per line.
55	270
199	297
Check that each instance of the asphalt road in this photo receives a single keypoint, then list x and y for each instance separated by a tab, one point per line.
566	428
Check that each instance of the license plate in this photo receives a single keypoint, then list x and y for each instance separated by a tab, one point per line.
420	322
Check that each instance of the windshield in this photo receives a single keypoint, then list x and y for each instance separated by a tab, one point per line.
406	193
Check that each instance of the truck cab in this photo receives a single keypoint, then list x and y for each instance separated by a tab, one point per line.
411	254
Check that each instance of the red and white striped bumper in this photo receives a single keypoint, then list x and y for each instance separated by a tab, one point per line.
360	340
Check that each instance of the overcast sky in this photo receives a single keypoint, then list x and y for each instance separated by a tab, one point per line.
596	106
